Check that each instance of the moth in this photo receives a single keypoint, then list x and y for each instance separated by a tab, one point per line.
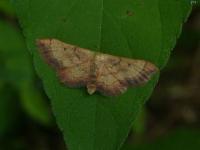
80	67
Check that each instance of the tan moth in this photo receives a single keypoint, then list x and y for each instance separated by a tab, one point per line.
78	67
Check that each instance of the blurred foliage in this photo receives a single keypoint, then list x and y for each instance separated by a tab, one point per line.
182	139
17	73
19	93
26	122
6	8
9	112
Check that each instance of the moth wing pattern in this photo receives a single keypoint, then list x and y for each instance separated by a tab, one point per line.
116	74
108	74
71	62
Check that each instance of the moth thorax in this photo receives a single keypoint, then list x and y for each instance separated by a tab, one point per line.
91	88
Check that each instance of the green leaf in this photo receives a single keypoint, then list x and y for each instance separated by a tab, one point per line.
139	125
136	29
182	139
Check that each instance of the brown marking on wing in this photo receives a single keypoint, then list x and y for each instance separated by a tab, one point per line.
71	62
120	73
45	50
